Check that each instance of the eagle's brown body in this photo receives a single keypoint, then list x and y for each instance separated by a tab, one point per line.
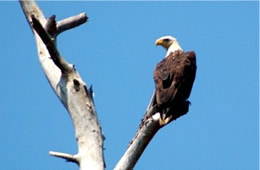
174	77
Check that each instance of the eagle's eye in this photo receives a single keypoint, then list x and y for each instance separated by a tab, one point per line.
166	40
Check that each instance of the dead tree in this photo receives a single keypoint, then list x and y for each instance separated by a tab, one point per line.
77	97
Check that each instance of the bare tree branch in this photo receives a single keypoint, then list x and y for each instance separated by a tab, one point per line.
50	45
71	22
144	135
67	157
150	125
68	86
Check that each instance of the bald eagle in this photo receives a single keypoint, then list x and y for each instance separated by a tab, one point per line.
173	77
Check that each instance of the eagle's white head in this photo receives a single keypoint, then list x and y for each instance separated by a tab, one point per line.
169	43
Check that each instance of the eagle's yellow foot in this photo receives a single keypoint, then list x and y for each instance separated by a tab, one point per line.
165	120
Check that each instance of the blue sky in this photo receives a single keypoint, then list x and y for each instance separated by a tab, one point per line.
115	52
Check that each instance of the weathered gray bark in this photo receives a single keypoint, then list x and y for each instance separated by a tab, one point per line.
150	125
147	130
68	86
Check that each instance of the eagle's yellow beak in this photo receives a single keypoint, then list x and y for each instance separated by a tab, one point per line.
159	42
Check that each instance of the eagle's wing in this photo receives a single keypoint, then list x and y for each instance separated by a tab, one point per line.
174	77
163	80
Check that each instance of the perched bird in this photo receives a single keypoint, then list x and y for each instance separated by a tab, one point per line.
173	77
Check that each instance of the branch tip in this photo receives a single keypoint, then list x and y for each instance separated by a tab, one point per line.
50	25
67	157
71	22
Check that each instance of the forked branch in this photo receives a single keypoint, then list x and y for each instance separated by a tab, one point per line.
49	43
78	98
68	86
